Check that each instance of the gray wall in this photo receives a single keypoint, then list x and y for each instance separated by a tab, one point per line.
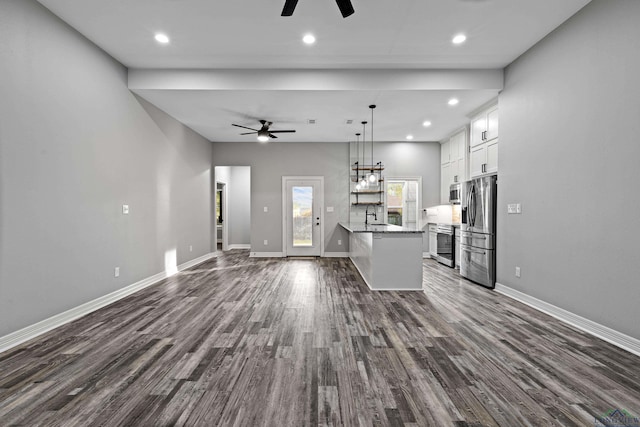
269	162
569	150
75	145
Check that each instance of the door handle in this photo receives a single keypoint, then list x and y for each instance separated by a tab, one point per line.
465	249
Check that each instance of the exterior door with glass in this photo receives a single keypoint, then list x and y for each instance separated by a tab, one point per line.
303	221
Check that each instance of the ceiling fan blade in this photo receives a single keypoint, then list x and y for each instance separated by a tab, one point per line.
272	136
345	7
248	133
289	7
244	127
282	131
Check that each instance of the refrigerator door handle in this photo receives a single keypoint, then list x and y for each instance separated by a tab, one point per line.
466	249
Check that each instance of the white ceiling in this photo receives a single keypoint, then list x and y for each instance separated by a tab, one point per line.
407	34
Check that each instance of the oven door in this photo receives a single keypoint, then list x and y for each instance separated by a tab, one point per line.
445	250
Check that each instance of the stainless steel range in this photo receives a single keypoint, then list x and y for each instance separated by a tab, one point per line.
445	249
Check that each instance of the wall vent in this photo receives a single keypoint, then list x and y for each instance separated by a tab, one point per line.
311	121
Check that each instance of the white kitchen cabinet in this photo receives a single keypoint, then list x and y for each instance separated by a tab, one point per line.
484	126
433	240
453	168
445	182
445	153
483	144
458	157
483	158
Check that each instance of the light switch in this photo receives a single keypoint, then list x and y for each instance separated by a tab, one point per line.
519	208
266	209
329	208
125	209
511	208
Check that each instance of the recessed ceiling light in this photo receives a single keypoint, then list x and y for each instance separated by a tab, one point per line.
409	137
453	101
426	123
309	39
162	38
459	38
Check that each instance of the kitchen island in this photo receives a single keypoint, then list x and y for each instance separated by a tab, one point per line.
388	257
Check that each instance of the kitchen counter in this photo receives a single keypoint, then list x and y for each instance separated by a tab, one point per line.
388	257
377	228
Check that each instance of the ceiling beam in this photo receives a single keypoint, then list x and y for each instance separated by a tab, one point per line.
316	79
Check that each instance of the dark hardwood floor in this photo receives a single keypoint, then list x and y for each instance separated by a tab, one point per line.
243	341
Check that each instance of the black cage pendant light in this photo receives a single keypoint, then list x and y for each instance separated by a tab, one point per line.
373	178
358	186
364	184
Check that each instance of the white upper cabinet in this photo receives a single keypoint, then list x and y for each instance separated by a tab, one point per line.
445	153
453	168
484	126
483	152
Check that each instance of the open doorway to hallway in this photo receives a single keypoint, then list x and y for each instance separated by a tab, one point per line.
232	208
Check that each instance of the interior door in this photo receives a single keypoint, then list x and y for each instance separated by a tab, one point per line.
303	216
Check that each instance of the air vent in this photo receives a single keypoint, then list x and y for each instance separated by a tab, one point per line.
311	121
349	121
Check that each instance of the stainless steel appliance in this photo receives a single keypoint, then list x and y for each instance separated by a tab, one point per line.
445	249
455	191
478	230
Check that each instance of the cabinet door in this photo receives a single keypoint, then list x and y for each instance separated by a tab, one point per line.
492	156
445	183
492	124
445	150
478	126
477	158
460	171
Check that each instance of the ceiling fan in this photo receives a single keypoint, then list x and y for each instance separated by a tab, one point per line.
345	7
263	133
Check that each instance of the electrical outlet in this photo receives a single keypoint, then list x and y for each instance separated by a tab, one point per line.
519	208
190	248
511	208
339	242
517	271
116	272
266	209
329	208
266	242
125	209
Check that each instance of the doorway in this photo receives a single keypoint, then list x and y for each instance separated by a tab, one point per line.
403	201
303	220
222	232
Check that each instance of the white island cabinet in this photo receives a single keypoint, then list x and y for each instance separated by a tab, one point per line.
388	257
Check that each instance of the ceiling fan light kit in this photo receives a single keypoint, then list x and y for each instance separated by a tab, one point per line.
345	6
264	133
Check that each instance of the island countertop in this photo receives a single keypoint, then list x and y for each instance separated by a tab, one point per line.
378	228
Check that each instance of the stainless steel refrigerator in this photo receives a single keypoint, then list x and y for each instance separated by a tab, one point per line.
478	230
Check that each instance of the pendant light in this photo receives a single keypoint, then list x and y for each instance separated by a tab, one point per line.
373	178
358	186
364	184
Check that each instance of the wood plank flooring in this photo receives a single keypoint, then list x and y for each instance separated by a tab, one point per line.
272	342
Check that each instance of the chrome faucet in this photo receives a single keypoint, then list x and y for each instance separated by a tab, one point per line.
366	215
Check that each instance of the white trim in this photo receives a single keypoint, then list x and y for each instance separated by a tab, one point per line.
614	337
32	331
336	254
426	255
266	255
239	246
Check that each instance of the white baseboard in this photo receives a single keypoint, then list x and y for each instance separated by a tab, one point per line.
239	246
32	331
336	254
614	337
426	255
265	255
